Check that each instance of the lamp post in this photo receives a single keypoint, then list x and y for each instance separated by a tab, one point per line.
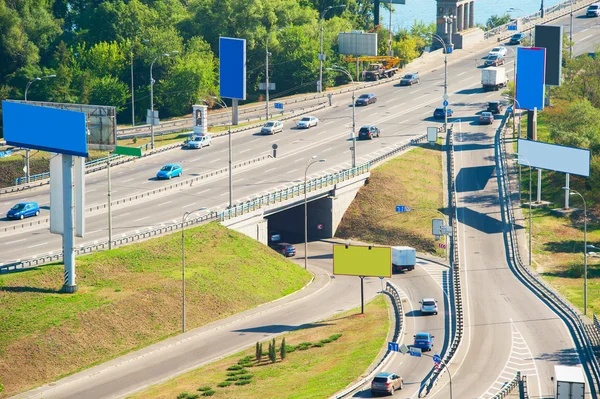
437	37
184	217
321	55
571	30
514	106
132	86
585	246
449	19
27	173
340	69
513	9
530	218
152	96
223	105
267	54
449	375
311	161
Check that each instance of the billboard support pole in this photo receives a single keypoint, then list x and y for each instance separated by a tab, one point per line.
362	295
234	109
539	187
109	200
567	191
68	234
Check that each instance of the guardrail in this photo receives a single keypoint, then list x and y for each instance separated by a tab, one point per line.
508	387
531	279
394	291
524	390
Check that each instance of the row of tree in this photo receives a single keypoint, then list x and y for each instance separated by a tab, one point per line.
99	50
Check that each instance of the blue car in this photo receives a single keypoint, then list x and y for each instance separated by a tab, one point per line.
424	341
23	210
439	113
169	171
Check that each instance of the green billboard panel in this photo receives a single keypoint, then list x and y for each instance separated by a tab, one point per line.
367	261
130	151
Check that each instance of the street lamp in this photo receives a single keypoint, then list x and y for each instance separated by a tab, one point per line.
585	246
515	104
185	216
513	9
449	19
267	54
222	104
437	37
132	86
311	161
340	69
27	173
152	95
571	30
530	218
321	55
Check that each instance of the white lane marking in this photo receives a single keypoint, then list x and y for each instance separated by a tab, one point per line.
165	203
246	150
218	159
37	245
124	214
195	159
12	242
189	205
299	159
291	171
89	191
268	170
587	37
140	219
125	181
242	179
327	123
203	191
259	182
427	112
462	73
95	231
424	95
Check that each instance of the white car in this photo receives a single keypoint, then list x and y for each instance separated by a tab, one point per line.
307	122
272	127
429	305
500	50
199	141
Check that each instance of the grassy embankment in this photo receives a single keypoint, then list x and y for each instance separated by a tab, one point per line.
315	372
129	298
558	241
413	179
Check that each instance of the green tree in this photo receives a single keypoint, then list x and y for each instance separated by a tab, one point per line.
282	349
108	90
273	351
497	20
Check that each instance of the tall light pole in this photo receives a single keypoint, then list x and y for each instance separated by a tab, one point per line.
390	37
267	54
513	9
585	246
437	37
571	31
152	96
449	19
27	173
321	55
132	86
311	161
223	105
530	217
184	217
340	69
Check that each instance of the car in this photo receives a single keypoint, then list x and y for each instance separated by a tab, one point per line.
439	113
198	141
306	122
423	340
366	99
500	50
272	127
593	10
410	79
285	249
486	118
429	305
368	132
23	210
169	171
495	107
274	236
494	60
517	38
386	383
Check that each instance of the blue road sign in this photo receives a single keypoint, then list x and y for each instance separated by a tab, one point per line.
278	105
415	351
437	358
393	347
445	103
402	208
512	27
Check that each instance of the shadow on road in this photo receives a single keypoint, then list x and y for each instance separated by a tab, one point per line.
280	328
480	221
565	357
473	178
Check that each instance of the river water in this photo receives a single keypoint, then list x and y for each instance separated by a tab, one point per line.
424	10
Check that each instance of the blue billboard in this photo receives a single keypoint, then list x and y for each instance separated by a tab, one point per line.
232	68
44	128
531	72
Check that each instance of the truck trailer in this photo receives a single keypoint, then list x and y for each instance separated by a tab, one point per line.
569	382
403	258
493	78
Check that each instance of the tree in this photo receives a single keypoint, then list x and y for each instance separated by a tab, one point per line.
497	20
282	349
273	351
257	352
108	90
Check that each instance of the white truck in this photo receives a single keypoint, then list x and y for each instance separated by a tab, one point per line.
493	78
569	383
403	258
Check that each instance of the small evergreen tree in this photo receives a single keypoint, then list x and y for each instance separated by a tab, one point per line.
273	351
282	352
257	352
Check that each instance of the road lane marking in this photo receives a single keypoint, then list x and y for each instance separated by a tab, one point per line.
125	181
587	37
246	150
218	159
12	242
462	73
124	214
165	203
268	170
37	245
291	171
203	191
189	205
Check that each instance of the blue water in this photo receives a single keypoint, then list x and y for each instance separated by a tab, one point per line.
424	10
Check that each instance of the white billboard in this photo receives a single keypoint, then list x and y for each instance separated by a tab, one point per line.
575	161
357	43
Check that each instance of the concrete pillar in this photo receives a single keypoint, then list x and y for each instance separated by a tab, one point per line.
200	113
459	17
472	15
466	15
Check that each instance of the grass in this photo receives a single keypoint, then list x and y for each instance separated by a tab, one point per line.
317	372
129	298
414	179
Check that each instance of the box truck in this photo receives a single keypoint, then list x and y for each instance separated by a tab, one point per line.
403	258
569	382
493	78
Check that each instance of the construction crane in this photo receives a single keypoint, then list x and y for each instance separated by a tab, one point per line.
379	66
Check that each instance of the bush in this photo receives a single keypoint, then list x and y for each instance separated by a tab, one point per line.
242	371
182	395
282	351
247	364
242	382
234	367
245	377
209	393
290	348
305	344
245	359
326	341
203	389
224	384
334	337
192	396
318	345
232	378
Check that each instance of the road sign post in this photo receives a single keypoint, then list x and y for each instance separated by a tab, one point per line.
393	347
402	208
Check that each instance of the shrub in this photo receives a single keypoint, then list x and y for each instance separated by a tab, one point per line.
325	341
318	345
224	384
248	364
232	378
182	395
242	371
290	348
273	351
245	359
334	337
192	396
242	382
234	367
202	389
209	393
282	351
246	377
258	352
305	344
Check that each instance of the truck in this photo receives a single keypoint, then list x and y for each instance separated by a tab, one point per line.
379	71
403	258
380	66
493	78
569	382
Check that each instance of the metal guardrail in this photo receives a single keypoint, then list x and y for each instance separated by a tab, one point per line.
524	389
394	291
508	387
531	279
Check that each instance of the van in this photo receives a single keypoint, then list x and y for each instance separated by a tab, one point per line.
593	10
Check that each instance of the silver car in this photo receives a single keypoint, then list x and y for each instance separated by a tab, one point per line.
429	306
386	383
272	127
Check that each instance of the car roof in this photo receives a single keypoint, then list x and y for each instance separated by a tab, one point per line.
367	126
171	164
26	203
423	333
384	375
486	113
428	299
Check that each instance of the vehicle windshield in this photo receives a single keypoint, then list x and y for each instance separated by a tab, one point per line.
18	207
380	379
486	114
422	336
517	36
364	129
364	96
305	119
166	168
593	7
269	124
196	138
496	49
429	303
439	110
409	76
494	57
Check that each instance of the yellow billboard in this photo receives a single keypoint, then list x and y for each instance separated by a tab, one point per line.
361	260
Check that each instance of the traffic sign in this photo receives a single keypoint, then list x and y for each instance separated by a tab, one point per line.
442	246
393	346
402	208
130	151
512	27
445	97
437	358
278	105
445	103
415	351
403	349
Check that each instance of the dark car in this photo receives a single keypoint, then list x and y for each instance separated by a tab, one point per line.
494	60
495	107
410	79
486	118
285	249
368	132
366	99
517	38
23	210
439	113
386	383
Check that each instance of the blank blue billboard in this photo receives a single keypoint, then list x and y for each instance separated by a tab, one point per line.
531	72
44	128
232	68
